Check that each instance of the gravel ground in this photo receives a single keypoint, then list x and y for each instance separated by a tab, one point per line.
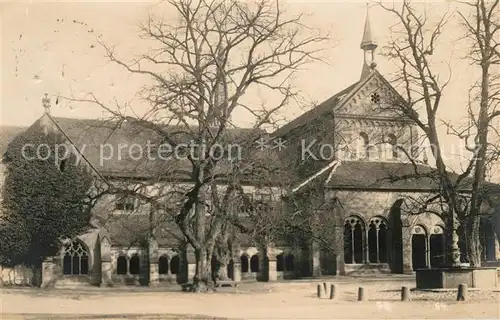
283	300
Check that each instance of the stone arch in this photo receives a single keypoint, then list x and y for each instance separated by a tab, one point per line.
134	264
280	262
419	246
254	263
377	239
121	264
75	258
436	246
244	263
175	264
163	264
354	229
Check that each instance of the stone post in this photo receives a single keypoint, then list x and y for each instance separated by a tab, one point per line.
190	264
106	265
154	276
48	276
272	274
407	250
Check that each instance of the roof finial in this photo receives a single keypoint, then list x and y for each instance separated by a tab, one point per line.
46	103
368	45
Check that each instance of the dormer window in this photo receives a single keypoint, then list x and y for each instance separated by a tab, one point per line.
125	203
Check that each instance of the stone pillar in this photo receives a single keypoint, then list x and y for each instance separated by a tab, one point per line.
154	276
339	250
407	250
236	270
272	274
315	262
48	276
190	265
106	265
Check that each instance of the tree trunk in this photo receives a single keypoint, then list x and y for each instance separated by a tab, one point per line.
474	245
222	271
202	280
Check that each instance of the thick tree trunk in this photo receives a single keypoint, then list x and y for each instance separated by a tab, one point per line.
474	245
202	280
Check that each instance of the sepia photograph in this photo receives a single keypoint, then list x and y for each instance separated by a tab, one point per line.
249	159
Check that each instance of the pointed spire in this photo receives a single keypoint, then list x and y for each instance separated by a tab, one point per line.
368	45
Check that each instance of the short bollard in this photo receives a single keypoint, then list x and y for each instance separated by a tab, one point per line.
462	292
325	287
333	292
320	291
405	294
361	294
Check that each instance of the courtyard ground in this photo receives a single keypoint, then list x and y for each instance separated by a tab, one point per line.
281	300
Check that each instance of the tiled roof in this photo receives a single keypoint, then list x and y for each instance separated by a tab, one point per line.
100	142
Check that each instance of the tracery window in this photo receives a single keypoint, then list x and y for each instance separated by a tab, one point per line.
377	240
76	259
353	240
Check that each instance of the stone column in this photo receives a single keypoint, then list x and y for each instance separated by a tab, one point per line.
339	250
407	250
315	262
190	265
48	276
272	274
106	265
154	276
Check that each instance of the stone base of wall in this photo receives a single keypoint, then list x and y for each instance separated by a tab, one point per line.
440	278
70	282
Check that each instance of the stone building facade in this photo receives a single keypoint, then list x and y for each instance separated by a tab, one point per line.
364	190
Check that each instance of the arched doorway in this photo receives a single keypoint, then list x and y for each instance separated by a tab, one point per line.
418	248
436	245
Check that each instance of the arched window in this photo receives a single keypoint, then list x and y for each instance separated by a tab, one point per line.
289	264
365	147
280	262
392	142
76	259
134	264
487	239
418	247
175	265
254	263
436	244
121	265
163	265
353	240
244	263
377	240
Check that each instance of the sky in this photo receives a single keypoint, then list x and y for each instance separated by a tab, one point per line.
51	47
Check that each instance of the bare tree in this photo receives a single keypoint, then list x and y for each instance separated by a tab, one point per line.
412	49
202	67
